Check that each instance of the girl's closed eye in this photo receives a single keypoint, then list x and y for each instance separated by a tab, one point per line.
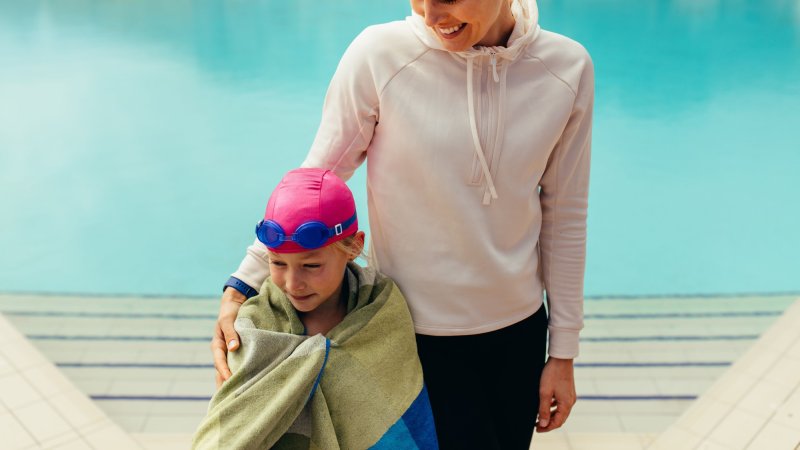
277	263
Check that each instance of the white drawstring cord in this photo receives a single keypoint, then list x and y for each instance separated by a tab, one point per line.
501	127
493	60
475	139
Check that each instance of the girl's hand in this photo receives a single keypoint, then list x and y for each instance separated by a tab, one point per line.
225	336
556	394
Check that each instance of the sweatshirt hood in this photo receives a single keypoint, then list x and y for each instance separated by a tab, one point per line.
526	29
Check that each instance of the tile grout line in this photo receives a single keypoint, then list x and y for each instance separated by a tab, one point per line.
785	318
783	355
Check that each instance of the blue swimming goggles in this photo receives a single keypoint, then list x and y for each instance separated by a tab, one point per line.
309	235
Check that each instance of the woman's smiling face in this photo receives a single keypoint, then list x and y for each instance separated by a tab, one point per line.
462	24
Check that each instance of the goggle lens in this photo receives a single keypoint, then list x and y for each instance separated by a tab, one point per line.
311	235
270	233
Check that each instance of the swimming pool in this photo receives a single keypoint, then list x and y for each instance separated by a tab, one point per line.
139	141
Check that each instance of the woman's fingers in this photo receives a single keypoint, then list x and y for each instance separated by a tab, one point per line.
546	405
219	380
225	337
559	416
556	394
230	337
220	352
556	416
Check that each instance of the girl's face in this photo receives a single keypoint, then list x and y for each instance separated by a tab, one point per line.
311	279
461	24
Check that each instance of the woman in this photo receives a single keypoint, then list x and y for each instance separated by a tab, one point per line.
476	128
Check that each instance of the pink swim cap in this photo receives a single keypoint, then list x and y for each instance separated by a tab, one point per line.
304	201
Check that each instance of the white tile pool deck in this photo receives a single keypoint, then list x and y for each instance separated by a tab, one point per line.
40	408
145	363
755	404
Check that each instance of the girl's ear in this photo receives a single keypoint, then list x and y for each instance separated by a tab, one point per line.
358	245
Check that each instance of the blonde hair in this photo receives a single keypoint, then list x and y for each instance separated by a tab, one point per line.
350	247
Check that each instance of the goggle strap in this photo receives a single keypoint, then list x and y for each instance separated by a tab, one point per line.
339	228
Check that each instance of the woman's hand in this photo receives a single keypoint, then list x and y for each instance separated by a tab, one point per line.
556	394
225	336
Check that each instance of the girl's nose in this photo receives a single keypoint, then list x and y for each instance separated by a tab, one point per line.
294	282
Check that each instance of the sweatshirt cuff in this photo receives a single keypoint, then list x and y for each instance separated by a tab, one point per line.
563	343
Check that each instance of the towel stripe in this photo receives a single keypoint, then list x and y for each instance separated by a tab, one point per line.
321	370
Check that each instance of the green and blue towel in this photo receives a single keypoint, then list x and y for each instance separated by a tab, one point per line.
360	387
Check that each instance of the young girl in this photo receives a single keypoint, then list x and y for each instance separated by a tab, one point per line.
328	356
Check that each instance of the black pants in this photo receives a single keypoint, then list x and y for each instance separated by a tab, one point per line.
484	388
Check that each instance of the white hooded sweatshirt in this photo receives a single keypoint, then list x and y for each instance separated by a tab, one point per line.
477	172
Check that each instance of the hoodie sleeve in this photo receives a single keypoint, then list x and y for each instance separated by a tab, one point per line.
349	116
254	268
564	199
350	111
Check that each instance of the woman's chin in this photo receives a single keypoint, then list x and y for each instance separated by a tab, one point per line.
454	45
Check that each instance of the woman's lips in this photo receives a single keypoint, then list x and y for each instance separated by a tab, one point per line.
446	33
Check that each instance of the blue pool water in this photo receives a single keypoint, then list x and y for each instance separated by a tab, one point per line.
140	140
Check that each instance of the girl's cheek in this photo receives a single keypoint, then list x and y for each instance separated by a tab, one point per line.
278	280
278	275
